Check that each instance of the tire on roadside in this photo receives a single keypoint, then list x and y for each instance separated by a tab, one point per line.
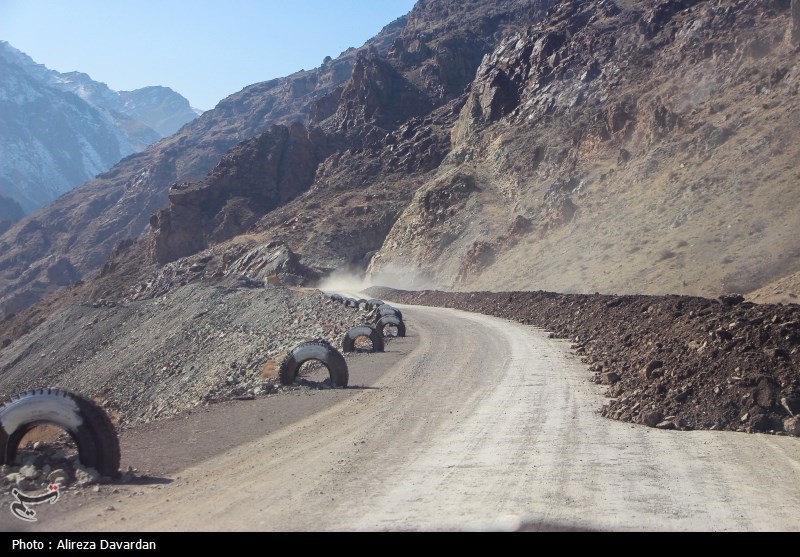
321	351
83	419
387	320
386	309
349	340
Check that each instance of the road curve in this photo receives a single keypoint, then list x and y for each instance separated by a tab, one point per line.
487	424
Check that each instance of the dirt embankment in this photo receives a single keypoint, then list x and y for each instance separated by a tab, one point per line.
194	345
673	362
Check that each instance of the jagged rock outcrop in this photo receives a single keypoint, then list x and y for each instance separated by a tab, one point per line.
375	100
249	181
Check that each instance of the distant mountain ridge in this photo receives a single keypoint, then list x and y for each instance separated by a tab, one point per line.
59	130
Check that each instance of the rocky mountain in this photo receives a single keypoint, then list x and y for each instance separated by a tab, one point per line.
426	64
639	146
60	130
159	107
620	147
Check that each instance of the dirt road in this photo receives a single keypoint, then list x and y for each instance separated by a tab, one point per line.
485	425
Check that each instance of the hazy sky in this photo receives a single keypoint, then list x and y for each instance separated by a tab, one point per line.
203	49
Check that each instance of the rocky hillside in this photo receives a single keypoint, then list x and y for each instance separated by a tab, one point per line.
621	147
578	146
626	144
222	342
413	66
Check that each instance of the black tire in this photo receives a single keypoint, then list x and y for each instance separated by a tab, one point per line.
375	303
388	310
350	303
317	350
349	340
391	320
84	420
364	303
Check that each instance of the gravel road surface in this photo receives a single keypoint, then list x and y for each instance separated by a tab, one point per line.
485	424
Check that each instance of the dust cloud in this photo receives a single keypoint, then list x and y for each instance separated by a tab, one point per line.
392	276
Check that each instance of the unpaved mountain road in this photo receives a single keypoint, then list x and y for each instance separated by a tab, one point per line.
486	424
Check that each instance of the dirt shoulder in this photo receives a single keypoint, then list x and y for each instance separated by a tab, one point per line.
160	450
673	362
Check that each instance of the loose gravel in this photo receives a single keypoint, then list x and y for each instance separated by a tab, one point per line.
672	362
195	345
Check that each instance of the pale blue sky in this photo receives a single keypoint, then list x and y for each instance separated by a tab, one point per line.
204	49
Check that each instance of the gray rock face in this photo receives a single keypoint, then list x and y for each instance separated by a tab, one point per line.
249	181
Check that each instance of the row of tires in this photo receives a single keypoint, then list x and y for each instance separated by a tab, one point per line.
360	303
379	309
95	435
384	317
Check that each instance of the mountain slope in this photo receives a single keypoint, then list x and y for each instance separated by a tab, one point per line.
59	130
91	220
619	147
51	139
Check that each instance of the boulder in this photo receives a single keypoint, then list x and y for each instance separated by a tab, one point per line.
650	371
792	426
609	378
